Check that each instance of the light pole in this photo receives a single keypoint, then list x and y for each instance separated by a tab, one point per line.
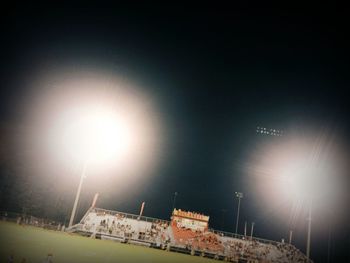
239	195
309	232
290	236
99	123
174	201
77	196
252	231
94	136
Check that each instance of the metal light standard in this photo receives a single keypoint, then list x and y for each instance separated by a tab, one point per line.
174	201
252	231
100	123
239	195
77	197
309	232
97	136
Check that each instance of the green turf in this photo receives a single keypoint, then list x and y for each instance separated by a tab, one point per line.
34	243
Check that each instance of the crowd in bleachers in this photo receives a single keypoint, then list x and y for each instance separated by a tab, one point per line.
247	249
163	233
291	253
129	228
198	240
261	252
234	249
208	242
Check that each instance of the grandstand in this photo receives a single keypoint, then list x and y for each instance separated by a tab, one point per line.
187	232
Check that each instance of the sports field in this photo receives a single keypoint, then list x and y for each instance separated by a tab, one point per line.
34	244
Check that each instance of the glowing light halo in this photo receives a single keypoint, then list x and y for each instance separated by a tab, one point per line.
292	172
69	110
96	135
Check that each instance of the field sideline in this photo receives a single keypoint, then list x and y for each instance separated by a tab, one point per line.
34	244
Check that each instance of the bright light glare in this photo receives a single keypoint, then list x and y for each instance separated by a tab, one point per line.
291	172
295	168
297	175
97	119
96	135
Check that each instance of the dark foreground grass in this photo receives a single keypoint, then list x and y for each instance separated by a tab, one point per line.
34	244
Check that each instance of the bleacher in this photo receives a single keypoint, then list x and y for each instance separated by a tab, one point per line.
126	227
123	227
205	241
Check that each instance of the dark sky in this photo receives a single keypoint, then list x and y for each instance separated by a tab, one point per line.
217	72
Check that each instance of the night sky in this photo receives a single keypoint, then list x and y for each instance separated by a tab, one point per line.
215	73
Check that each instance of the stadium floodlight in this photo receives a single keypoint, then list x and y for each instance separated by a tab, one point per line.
96	135
95	122
99	123
300	169
269	131
239	195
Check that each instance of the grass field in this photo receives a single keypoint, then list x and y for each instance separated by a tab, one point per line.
34	244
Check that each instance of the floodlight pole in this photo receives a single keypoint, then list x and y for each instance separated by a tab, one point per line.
174	201
290	236
309	232
252	231
239	195
77	196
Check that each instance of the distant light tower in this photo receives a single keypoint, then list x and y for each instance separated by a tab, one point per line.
252	231
269	131
174	201
239	195
303	166
99	136
99	123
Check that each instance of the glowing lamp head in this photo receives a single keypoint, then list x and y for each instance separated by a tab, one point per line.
297	169
96	119
299	179
96	135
